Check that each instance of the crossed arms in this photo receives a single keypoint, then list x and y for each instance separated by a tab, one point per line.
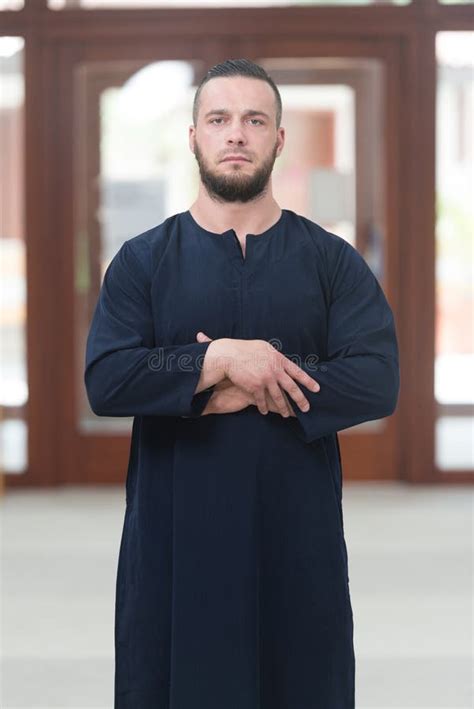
358	381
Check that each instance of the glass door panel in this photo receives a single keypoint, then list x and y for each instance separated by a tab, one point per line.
132	168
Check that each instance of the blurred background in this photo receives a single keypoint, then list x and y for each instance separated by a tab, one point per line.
378	107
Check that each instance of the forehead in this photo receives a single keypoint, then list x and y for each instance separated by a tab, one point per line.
237	93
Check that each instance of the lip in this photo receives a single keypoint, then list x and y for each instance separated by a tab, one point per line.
235	158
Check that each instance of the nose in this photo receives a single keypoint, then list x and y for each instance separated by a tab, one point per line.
236	135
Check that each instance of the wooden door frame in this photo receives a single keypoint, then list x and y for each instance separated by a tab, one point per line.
83	456
49	35
363	450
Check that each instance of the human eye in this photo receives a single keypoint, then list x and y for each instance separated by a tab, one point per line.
258	120
215	119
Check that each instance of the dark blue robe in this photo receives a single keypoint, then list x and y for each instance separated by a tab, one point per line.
232	583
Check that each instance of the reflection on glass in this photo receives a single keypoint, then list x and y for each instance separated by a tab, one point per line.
333	116
135	171
454	364
455	442
315	174
134	167
11	5
144	154
13	374
90	4
328	146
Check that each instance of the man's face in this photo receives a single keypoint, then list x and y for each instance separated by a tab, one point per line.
237	117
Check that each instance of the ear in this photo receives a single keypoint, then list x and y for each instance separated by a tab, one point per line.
191	134
281	140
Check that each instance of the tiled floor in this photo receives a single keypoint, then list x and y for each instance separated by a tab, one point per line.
411	575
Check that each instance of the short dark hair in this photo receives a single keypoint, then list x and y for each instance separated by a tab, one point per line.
238	67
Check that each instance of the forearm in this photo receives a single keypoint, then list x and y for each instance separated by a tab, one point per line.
142	381
353	390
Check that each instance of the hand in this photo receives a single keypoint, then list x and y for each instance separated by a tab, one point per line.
275	409
261	371
227	398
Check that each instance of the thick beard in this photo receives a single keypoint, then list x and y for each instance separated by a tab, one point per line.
236	187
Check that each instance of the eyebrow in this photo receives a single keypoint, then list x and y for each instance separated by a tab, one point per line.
247	112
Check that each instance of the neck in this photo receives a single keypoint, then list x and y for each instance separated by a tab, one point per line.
251	217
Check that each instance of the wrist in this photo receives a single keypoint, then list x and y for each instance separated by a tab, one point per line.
218	357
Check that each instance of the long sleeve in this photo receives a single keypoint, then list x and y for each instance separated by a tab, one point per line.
359	377
125	373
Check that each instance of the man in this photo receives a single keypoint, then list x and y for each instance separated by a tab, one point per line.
241	337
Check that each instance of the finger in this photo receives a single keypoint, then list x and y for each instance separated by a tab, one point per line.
300	376
272	406
291	411
279	399
269	401
288	405
290	386
261	401
202	337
